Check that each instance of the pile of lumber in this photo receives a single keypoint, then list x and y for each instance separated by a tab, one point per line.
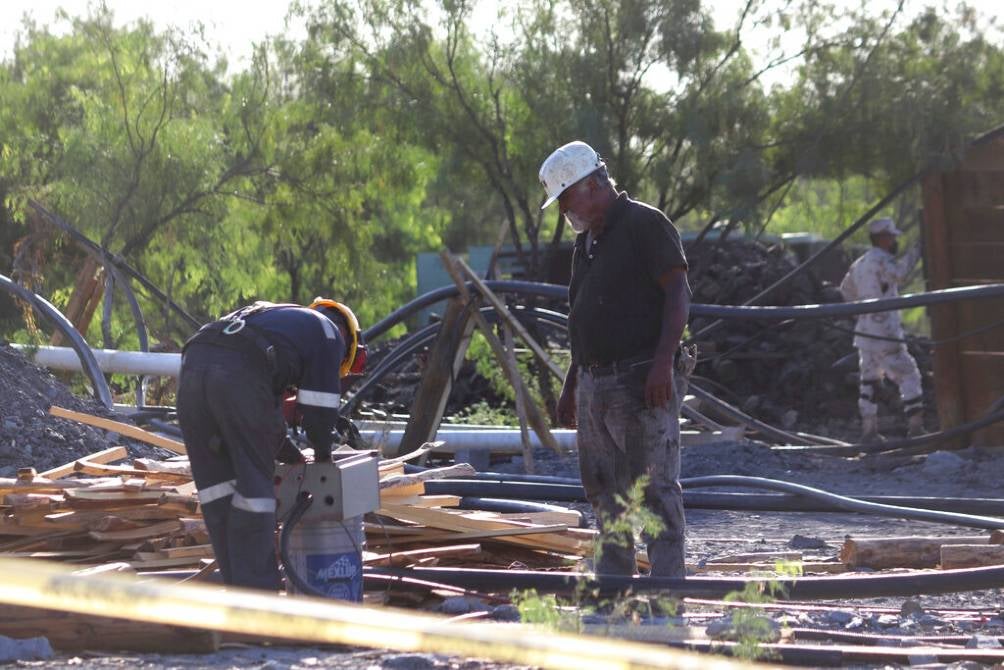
144	514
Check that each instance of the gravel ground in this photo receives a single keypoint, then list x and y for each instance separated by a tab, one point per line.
30	437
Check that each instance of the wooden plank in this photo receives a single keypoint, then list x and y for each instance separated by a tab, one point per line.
125	429
426	448
807	567
944	324
86	466
984	375
535	417
571	518
456	470
521	400
457	522
981	224
76	632
88	288
170	467
445	358
404	558
105	456
428	501
971	555
425	536
980	189
758	556
163	563
512	321
163	528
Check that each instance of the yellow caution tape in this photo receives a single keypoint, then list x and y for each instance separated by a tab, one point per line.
48	585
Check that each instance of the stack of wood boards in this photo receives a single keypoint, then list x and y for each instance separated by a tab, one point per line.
144	515
90	512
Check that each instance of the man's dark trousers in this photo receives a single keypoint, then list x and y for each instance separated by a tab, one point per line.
233	428
620	440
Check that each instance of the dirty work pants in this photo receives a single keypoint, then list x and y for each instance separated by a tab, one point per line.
620	440
232	427
899	367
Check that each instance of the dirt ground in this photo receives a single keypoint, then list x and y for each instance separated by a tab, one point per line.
30	437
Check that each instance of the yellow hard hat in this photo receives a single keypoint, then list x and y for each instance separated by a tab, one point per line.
353	325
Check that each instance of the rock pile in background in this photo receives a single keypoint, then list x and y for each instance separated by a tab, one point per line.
29	436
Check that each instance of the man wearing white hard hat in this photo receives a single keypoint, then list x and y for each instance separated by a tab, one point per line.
628	305
879	336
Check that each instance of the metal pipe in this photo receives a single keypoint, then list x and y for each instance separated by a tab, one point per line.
505	439
108	360
44	308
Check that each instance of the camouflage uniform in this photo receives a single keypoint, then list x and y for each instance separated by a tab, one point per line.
878	274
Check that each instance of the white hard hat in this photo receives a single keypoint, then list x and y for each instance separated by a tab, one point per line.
567	165
879	226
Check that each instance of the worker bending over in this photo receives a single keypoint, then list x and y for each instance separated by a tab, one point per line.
234	374
879	336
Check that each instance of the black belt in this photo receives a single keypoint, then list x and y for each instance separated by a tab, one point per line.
617	367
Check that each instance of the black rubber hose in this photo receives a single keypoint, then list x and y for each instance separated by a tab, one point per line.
788	502
46	309
506	490
836	503
802	588
420	338
538	289
744	312
117	261
848	504
303	502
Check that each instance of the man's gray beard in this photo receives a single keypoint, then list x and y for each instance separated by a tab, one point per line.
577	224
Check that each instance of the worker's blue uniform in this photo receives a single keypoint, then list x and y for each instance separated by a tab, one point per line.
234	373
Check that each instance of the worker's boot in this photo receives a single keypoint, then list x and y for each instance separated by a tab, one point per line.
915	425
869	430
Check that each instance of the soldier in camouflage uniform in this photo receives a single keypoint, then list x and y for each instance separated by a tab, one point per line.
879	336
629	302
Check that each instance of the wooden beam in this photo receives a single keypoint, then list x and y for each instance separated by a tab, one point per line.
971	555
521	401
535	417
900	552
445	358
512	321
125	429
67	631
105	456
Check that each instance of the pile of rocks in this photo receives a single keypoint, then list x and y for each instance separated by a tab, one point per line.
798	375
29	435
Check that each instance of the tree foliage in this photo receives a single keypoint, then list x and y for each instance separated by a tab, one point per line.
395	126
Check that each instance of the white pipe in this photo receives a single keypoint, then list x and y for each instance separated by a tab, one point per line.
508	441
109	360
498	440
